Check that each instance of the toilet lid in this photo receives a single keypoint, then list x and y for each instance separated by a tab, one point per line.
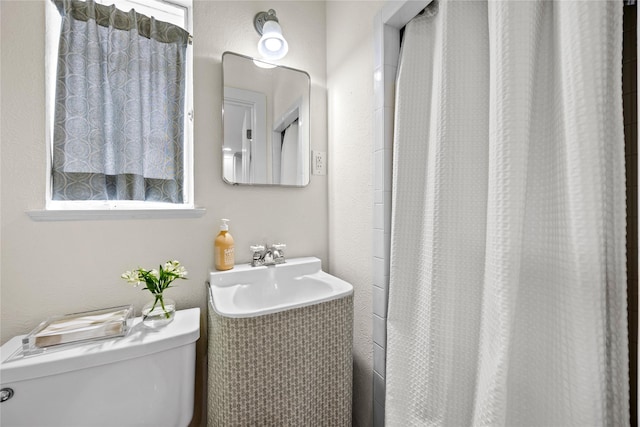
141	341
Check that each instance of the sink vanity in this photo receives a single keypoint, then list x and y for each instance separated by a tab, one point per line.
280	340
249	291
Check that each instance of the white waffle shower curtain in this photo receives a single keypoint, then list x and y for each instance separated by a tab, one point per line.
507	298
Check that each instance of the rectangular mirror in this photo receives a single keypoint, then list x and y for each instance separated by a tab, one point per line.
266	123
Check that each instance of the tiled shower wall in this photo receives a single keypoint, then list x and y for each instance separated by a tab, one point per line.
629	96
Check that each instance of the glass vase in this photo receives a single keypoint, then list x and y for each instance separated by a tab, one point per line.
158	312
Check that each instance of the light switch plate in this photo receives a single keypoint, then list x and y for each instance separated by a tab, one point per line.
319	162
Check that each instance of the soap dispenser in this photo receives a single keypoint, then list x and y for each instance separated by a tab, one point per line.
223	248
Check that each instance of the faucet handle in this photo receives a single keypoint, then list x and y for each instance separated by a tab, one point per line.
256	255
278	253
256	248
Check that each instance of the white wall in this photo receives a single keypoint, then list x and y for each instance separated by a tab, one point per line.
59	267
52	267
350	103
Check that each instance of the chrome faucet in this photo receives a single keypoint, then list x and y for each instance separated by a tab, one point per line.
267	255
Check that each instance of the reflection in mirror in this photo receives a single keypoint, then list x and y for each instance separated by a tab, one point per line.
266	123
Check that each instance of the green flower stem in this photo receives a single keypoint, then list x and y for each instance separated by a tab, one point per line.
158	297
163	308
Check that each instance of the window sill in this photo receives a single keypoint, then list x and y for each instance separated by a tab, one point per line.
112	214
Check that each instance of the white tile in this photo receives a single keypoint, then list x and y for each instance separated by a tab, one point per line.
379	129
387	166
378	388
379	357
381	282
386	197
378	243
391	45
378	170
386	217
378	88
388	127
386	246
389	78
379	302
378	216
378	414
379	331
378	196
380	267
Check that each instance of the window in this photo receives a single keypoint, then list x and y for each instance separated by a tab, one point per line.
119	105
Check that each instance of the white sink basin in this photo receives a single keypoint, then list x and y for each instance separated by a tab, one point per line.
249	291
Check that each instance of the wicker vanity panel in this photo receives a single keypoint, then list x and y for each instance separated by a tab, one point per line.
292	368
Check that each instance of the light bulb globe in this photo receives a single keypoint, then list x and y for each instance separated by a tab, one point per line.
272	44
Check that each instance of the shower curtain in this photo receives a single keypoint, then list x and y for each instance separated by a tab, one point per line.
507	295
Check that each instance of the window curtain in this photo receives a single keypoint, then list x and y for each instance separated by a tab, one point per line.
119	113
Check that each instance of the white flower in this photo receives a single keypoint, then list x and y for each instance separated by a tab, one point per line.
131	277
171	266
174	267
156	282
181	272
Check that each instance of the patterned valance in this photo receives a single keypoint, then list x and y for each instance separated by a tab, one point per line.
111	16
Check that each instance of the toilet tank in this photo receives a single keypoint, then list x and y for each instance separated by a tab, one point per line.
143	379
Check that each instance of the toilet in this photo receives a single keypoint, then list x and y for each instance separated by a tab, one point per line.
143	379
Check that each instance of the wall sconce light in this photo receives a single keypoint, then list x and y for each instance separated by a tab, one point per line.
272	44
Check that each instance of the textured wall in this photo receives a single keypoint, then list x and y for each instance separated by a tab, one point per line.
59	267
350	102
